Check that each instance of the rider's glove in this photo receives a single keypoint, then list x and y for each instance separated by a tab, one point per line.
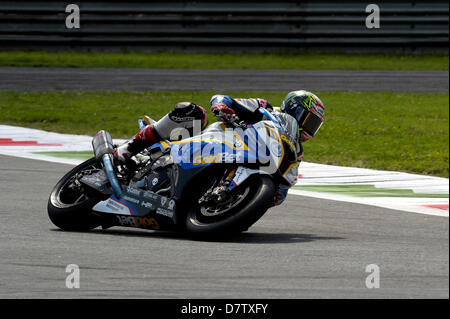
222	111
265	104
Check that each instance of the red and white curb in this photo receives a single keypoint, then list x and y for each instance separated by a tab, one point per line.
326	175
426	206
27	143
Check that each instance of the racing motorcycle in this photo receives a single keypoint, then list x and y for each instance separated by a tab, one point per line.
218	182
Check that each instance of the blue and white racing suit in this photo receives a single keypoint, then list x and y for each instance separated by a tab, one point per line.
247	110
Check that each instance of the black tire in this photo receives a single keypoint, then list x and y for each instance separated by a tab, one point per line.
74	216
242	216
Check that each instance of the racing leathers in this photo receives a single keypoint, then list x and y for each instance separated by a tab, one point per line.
224	107
185	114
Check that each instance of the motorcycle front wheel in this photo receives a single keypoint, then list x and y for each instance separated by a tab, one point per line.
246	206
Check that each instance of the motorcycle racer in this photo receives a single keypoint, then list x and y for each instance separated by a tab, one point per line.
305	107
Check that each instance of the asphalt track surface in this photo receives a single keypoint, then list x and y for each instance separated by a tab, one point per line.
305	248
109	79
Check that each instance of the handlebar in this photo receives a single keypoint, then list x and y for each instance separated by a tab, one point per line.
236	122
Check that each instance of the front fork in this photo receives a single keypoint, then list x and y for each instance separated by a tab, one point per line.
219	190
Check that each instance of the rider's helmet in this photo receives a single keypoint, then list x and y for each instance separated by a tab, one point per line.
307	109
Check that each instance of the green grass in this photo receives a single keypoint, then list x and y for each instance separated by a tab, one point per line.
74	154
391	131
300	61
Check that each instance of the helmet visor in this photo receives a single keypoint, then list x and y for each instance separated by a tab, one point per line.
308	121
312	123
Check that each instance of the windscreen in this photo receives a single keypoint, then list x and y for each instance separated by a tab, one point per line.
289	126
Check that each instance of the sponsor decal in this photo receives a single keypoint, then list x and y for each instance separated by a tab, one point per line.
150	195
141	222
133	191
284	138
182	119
146	204
219	158
114	205
241	174
126	221
171	204
131	199
165	212
199	160
145	222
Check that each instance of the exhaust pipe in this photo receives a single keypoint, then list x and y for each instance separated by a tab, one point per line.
103	147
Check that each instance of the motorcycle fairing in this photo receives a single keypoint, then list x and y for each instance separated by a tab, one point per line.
189	154
115	206
139	203
229	146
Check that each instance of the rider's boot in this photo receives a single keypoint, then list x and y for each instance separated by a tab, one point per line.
144	138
